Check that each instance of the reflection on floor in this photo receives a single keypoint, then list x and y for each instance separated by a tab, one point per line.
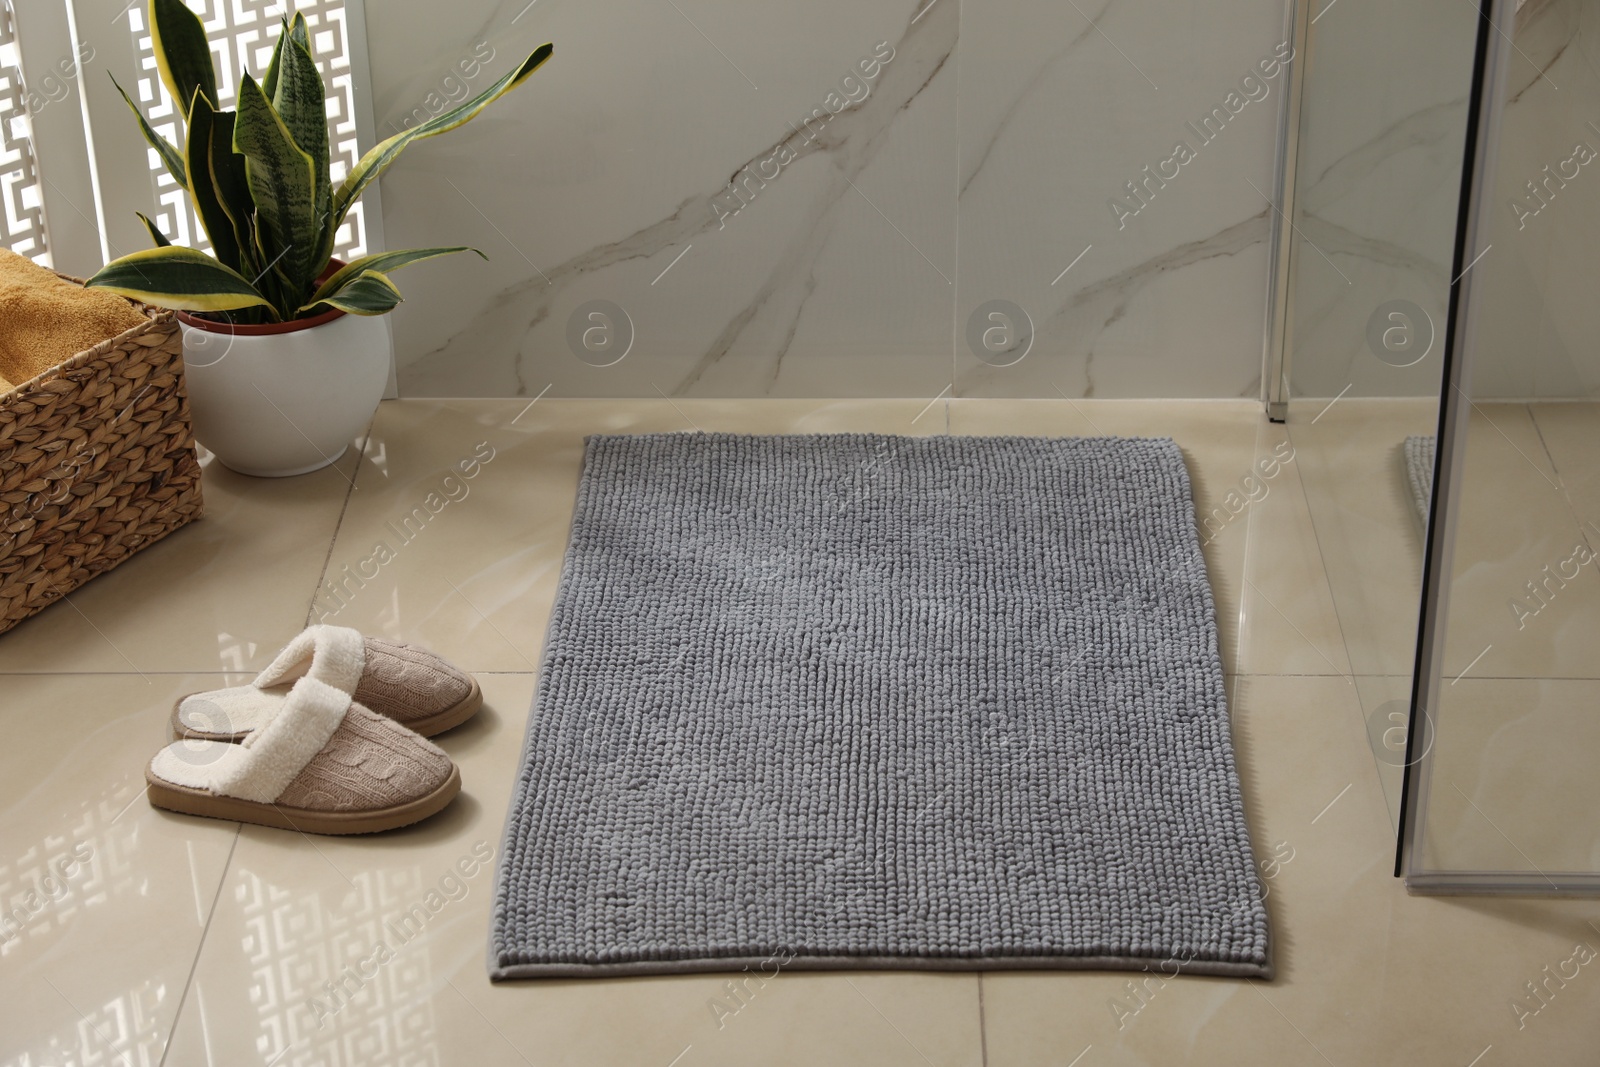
197	942
1517	725
1351	456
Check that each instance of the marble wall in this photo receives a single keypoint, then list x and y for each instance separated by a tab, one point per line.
1540	334
1073	202
1383	127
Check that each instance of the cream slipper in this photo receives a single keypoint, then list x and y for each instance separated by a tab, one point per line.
323	764
414	687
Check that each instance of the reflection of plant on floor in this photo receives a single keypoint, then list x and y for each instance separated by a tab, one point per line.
259	179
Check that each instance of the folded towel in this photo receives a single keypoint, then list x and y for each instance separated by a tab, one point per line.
46	320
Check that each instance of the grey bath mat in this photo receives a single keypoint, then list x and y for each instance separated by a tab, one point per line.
879	702
1418	452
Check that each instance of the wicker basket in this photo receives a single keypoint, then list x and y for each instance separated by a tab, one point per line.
97	461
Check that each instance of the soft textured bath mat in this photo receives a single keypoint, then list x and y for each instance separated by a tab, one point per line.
1418	452
861	701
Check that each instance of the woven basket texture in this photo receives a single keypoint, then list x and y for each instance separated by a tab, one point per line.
97	461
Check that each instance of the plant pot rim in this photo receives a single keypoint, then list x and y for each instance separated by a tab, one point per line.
265	329
268	329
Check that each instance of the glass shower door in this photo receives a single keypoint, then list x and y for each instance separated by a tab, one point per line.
1502	794
1376	159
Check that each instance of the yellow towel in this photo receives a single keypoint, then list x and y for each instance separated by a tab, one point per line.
46	320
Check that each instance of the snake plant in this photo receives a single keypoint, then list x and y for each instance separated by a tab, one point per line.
259	179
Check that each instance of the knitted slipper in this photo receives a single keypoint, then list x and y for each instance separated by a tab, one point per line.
323	764
414	687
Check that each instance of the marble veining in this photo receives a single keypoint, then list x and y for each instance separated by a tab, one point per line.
965	174
1539	318
1095	308
850	143
1379	180
1004	125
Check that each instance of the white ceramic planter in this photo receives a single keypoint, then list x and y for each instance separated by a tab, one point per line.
274	401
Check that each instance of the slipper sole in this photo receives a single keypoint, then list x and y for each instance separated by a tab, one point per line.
187	801
428	726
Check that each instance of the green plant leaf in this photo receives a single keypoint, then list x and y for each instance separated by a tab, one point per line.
368	293
231	186
300	30
171	158
202	190
383	263
297	30
378	159
156	235
298	98
301	105
183	55
283	185
270	282
269	80
177	277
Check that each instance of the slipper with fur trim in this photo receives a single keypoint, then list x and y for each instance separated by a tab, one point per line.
410	685
323	765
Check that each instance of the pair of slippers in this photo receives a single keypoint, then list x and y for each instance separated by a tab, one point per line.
329	739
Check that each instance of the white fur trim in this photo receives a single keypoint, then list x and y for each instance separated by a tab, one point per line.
275	754
196	764
337	655
238	710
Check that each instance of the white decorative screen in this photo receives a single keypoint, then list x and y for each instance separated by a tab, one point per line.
21	206
243	33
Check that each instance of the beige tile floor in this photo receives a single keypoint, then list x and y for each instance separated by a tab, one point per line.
1522	495
1517	728
184	941
1368	546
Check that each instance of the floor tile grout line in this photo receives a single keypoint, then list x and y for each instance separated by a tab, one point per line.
1322	560
1407	677
1495	426
983	1028
1286	1019
1333	598
1244	563
1566	493
344	507
893	1025
1533	420
1250	520
194	964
